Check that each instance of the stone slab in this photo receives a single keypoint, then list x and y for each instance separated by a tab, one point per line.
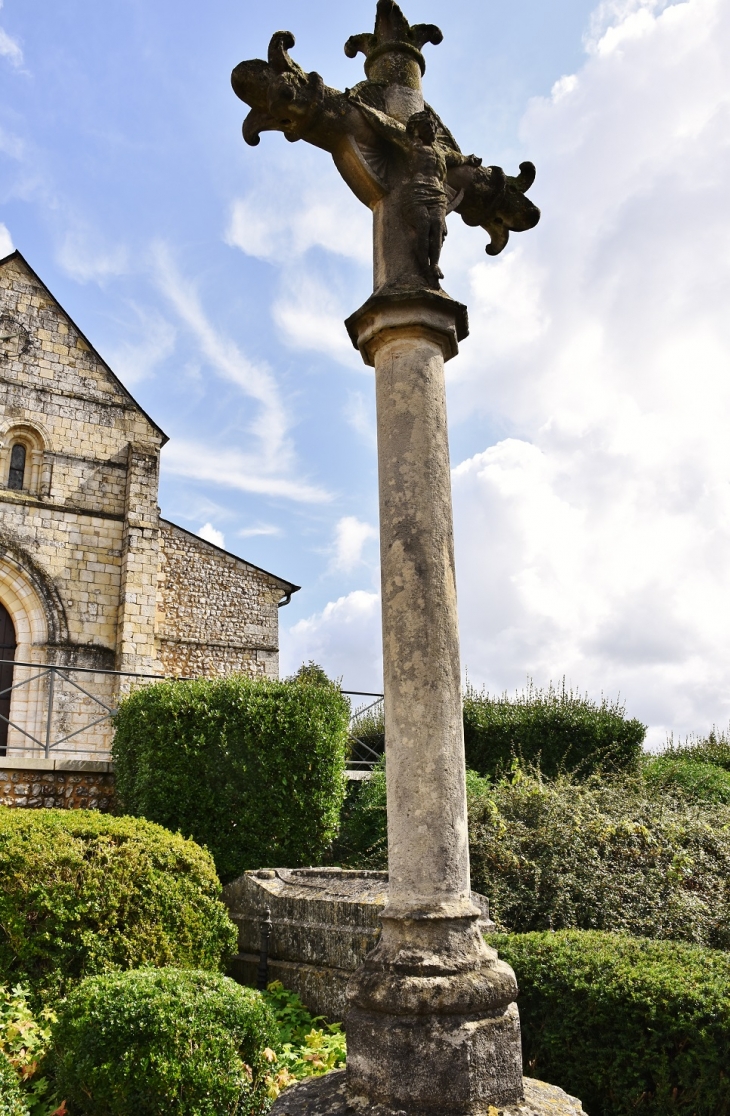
53	763
326	1096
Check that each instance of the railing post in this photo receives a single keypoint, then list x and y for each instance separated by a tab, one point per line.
51	688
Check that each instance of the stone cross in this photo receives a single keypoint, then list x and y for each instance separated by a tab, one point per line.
432	1026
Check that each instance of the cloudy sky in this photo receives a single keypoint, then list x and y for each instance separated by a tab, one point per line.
590	407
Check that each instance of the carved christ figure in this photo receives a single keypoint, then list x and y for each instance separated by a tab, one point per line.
424	200
393	151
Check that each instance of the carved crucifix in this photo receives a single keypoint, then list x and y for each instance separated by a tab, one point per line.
392	149
432	1026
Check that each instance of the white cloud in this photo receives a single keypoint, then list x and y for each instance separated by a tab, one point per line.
9	48
6	242
134	361
351	534
295	208
311	315
360	414
215	465
595	541
258	529
225	357
344	638
287	214
85	256
211	535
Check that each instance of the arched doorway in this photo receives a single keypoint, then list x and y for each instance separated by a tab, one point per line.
7	651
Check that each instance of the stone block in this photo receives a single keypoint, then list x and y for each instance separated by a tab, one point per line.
324	922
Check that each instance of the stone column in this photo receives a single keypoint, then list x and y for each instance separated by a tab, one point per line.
433	1026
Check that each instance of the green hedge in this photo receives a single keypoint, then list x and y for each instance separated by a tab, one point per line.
153	1042
689	778
609	854
556	730
82	893
252	769
632	1027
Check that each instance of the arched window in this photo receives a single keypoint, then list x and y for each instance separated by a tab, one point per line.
17	466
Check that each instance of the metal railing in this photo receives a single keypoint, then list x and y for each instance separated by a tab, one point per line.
55	674
363	756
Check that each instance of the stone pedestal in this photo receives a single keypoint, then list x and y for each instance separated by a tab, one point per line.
328	1096
432	1025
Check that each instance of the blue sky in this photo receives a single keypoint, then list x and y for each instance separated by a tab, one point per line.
589	408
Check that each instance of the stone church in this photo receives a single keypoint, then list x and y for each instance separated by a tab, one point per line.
91	576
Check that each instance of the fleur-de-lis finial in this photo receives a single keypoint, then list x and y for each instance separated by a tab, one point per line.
393	33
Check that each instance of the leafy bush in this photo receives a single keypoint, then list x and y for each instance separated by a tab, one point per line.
252	769
603	855
713	748
555	729
608	854
11	1103
363	838
25	1037
82	893
632	1027
154	1042
307	1046
691	779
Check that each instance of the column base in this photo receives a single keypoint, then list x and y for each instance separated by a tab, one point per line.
433	1026
328	1096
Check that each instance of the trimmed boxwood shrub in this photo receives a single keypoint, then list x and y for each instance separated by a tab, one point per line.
602	855
11	1103
632	1027
82	893
158	1041
252	769
557	730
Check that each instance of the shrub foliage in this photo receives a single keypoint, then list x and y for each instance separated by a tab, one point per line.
556	729
11	1103
632	1027
252	769
603	855
82	893
152	1042
608	854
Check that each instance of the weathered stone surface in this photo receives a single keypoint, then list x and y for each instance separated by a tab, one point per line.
327	1096
56	784
324	923
432	1024
393	151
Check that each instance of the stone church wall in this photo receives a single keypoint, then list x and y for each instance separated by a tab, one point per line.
89	574
216	613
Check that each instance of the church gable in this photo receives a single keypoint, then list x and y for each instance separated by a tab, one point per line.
52	376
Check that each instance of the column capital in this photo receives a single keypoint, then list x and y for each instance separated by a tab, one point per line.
404	312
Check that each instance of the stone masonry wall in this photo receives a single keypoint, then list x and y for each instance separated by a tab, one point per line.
89	573
77	786
216	613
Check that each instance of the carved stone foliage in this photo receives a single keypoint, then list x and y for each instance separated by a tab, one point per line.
366	130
